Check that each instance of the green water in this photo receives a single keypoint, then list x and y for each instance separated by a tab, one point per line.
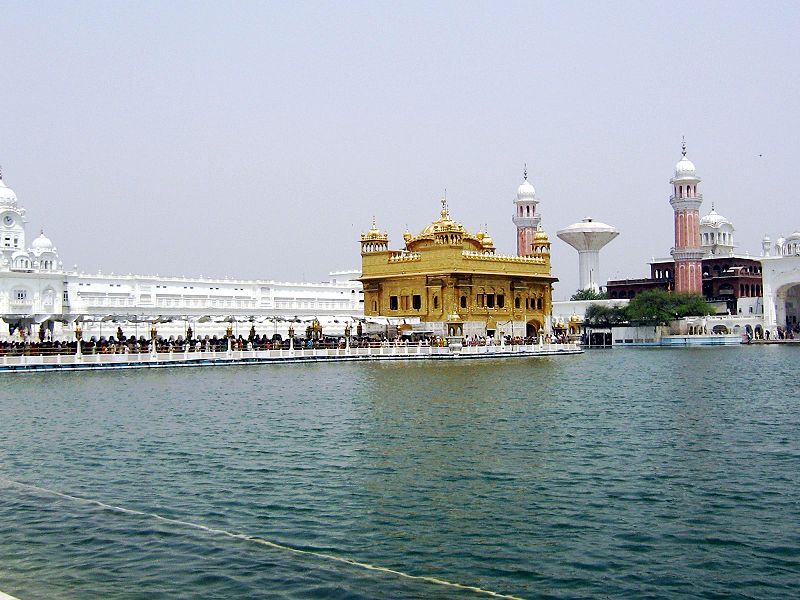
624	473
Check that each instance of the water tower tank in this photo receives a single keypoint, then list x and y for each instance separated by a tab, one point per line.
588	237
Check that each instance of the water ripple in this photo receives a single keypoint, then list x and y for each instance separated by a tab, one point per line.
597	476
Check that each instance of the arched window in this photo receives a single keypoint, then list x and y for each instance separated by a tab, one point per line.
516	302
436	299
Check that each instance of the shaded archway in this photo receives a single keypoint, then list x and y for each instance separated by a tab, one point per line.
533	328
789	301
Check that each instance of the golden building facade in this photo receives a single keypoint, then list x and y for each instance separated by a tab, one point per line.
455	283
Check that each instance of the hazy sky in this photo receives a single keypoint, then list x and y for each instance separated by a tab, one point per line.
258	140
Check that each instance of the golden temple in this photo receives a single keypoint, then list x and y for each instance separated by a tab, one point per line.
455	282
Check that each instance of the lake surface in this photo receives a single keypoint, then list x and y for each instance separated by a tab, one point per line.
638	473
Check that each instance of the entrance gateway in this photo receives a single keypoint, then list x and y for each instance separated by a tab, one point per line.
781	284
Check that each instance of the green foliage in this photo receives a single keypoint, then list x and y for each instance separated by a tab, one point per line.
659	307
600	315
589	294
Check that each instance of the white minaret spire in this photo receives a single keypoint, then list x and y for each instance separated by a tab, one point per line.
686	201
525	216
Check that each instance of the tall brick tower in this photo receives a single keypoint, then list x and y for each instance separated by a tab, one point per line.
686	203
525	216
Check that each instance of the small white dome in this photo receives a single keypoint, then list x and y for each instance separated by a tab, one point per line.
42	243
794	237
7	195
526	191
714	219
685	168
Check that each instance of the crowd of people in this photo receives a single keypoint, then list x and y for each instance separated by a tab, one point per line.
130	344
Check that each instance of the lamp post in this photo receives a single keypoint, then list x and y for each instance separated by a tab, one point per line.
78	338
153	338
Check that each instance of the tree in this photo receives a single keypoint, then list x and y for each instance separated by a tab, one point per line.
600	315
589	294
659	307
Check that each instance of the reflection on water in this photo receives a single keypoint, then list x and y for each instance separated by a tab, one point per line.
626	472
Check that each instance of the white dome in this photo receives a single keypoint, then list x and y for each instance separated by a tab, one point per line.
7	195
42	243
526	191
714	219
794	237
685	168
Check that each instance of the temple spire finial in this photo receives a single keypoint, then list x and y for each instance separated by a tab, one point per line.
444	205
525	172
683	145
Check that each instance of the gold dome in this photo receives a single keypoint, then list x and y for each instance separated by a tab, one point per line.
444	224
541	236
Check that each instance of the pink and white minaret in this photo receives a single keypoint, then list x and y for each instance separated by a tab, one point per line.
525	217
687	252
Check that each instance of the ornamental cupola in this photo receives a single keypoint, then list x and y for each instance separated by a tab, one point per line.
444	224
8	199
444	231
374	240
541	243
486	241
716	234
684	183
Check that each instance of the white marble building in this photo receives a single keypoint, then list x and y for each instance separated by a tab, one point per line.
37	292
780	273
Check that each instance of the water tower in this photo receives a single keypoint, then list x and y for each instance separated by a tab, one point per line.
588	237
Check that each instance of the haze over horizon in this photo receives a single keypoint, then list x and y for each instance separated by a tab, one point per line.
259	140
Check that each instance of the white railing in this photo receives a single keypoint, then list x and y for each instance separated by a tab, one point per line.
389	350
